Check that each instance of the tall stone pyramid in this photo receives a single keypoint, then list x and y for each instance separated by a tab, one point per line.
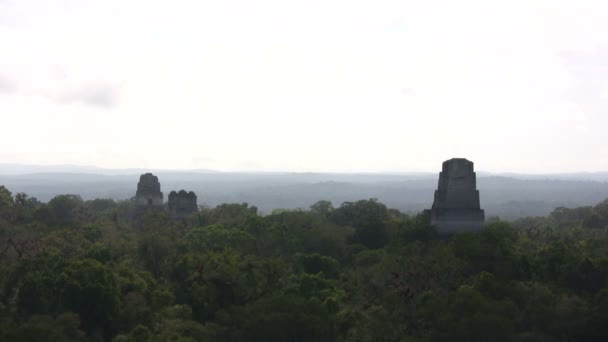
148	191
456	207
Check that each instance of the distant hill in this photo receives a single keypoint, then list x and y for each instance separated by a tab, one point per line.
23	169
509	197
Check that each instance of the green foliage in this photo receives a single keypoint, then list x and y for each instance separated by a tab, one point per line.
101	204
64	327
155	251
89	289
6	197
228	214
316	263
34	284
66	210
323	208
50	285
598	217
285	318
570	216
490	250
368	217
417	228
216	237
214	280
291	232
140	333
7	207
468	315
74	270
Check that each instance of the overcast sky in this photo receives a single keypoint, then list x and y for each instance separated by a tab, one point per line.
305	85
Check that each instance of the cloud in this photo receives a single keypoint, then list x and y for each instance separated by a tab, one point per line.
98	95
7	85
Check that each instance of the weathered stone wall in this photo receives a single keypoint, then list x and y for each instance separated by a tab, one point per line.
456	207
182	203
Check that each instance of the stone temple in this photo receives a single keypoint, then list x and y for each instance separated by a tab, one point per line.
182	203
148	191
456	206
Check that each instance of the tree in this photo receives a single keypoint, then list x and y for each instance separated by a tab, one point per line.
7	211
491	250
66	210
89	288
598	218
49	285
316	263
418	228
155	250
278	318
468	315
228	214
63	327
6	197
322	208
216	237
214	280
368	217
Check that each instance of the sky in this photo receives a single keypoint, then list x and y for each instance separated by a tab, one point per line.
305	86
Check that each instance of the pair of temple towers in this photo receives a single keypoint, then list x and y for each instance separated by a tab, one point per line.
148	195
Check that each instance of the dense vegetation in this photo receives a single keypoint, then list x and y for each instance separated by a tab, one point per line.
73	270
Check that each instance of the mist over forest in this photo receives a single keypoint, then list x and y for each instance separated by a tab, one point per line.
508	196
303	171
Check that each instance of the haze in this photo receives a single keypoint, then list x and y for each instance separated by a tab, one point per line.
340	86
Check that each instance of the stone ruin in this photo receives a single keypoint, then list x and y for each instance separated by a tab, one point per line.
456	206
148	195
148	191
182	203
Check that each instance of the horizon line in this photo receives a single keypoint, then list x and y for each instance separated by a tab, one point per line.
132	170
